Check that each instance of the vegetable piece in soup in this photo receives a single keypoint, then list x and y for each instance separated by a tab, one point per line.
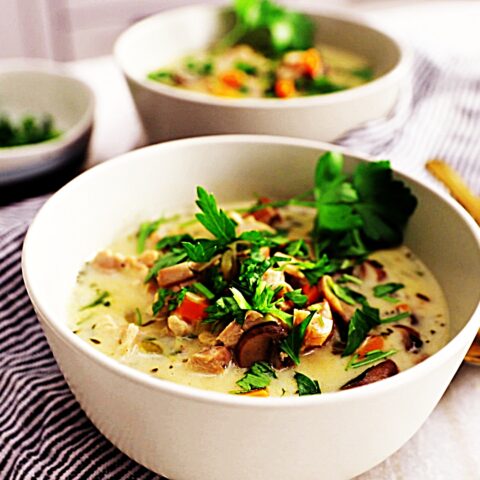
302	296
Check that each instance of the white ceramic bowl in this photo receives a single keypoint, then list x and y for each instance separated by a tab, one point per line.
35	87
186	433
168	113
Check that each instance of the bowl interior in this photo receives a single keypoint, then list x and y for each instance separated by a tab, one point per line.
164	38
110	200
33	92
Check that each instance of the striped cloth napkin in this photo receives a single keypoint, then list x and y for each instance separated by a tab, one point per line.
43	432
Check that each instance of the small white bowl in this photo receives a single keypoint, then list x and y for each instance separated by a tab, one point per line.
185	433
168	112
38	88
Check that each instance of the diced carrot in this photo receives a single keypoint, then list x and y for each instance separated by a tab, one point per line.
267	214
312	62
259	392
193	308
284	88
374	342
233	78
402	307
312	292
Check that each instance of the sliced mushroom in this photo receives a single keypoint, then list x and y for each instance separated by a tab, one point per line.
383	370
230	335
211	359
258	343
411	338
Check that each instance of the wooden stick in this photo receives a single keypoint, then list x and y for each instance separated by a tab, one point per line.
458	189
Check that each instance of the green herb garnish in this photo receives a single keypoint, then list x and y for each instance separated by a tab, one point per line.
214	219
99	300
269	28
306	386
138	316
386	289
396	318
167	260
202	249
346	278
371	357
145	230
29	130
203	290
258	376
368	212
360	324
293	343
297	297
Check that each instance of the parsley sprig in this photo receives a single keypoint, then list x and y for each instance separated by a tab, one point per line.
368	212
269	27
305	385
258	376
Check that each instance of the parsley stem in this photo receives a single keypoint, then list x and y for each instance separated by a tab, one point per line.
371	357
396	318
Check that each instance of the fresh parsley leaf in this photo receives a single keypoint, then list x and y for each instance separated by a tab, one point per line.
365	73
354	217
223	311
99	300
203	290
259	375
214	219
297	297
248	68
346	278
173	241
396	318
313	271
26	131
371	357
138	317
385	204
214	280
251	272
202	249
298	248
167	260
293	343
360	324
145	230
260	238
385	289
305	385
161	297
269	27
341	292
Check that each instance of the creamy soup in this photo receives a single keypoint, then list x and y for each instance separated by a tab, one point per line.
180	338
242	72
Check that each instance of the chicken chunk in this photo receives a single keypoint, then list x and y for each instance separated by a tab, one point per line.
178	326
175	274
211	360
320	327
230	335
